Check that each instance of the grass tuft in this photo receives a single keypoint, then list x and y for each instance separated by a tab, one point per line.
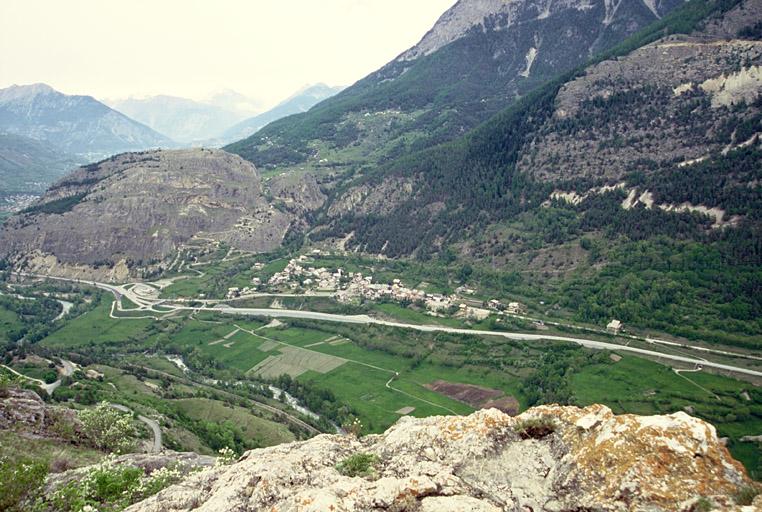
359	464
535	428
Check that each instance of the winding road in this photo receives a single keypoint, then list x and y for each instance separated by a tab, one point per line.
152	424
66	369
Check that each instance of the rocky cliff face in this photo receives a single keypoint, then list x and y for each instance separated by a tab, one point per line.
676	100
593	460
484	15
137	209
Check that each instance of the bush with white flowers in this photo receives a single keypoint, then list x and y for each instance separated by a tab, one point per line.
108	429
110	486
227	456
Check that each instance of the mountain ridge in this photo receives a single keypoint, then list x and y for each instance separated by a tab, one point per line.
407	105
466	15
182	119
77	124
301	101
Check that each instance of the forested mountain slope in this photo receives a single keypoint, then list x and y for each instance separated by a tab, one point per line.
683	102
478	58
575	184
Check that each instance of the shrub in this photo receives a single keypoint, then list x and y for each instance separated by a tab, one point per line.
359	464
353	427
108	429
60	464
227	456
5	384
746	494
20	483
535	428
110	486
62	424
702	505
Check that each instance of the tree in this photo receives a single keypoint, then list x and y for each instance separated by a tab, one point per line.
465	272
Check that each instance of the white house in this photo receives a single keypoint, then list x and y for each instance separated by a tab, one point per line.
614	326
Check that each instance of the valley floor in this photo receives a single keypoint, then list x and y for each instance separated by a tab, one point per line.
164	347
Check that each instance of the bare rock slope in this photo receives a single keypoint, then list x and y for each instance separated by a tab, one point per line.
135	210
593	460
675	100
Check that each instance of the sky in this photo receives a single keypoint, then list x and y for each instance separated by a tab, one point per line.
266	49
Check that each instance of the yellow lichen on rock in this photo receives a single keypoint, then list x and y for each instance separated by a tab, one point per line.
588	458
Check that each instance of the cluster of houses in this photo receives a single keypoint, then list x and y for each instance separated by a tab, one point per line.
352	286
297	275
235	292
360	286
512	308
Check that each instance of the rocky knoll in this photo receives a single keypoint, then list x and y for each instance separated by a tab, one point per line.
135	210
488	461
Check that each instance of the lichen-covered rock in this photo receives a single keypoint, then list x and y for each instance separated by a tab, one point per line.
594	460
21	408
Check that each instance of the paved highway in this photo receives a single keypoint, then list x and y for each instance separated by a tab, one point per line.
365	319
148	304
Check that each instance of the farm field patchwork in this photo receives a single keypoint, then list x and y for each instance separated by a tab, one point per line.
356	363
294	362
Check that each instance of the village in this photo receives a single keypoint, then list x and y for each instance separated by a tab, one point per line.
353	287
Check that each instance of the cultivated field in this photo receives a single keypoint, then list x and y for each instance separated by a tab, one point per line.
294	362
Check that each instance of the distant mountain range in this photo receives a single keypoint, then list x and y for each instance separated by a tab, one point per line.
223	118
78	125
184	120
44	133
299	102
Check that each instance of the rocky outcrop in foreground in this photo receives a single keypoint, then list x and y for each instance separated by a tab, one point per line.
488	461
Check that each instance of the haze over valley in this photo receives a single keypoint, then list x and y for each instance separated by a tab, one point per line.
513	263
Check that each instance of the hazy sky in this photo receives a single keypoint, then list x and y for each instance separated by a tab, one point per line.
263	48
